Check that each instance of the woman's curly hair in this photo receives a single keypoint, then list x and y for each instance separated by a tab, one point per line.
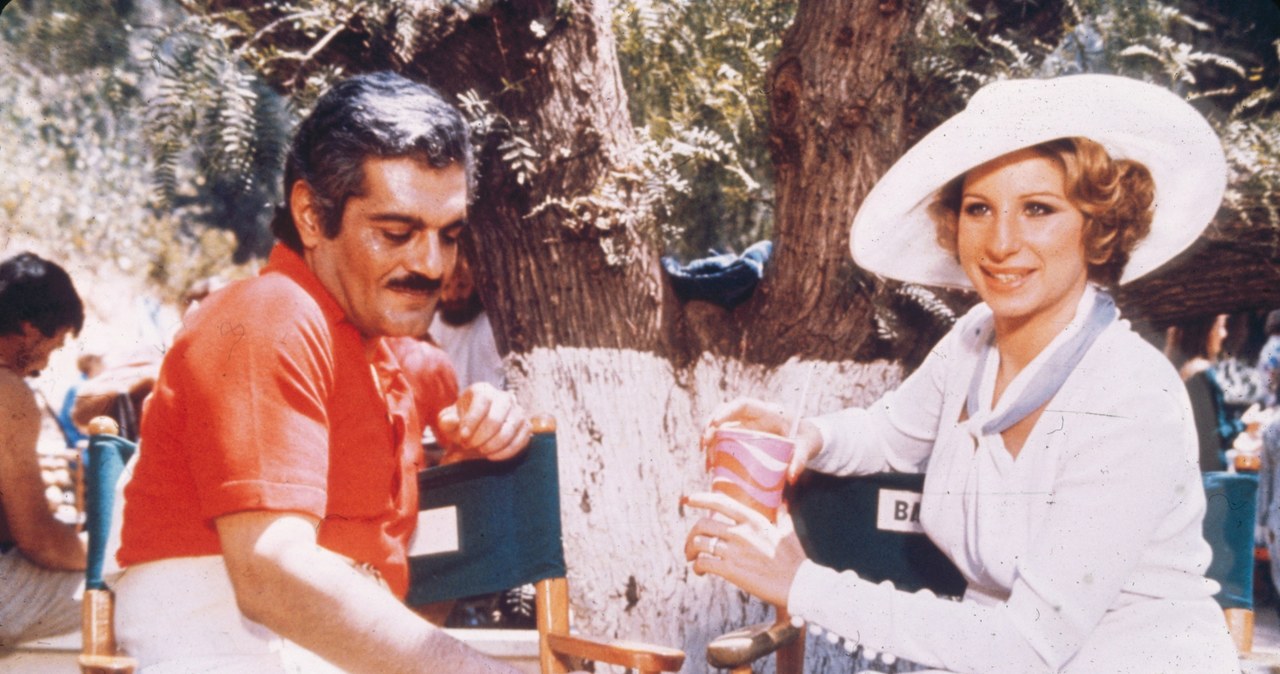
1115	196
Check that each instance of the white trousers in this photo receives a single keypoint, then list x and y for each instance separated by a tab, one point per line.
179	616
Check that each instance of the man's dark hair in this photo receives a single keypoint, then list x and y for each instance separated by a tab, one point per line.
39	292
376	116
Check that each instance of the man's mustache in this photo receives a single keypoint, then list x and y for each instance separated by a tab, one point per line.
416	283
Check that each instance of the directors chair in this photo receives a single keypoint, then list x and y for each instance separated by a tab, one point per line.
1230	514
485	526
867	524
105	461
864	524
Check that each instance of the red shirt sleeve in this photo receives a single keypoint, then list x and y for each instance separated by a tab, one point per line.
258	433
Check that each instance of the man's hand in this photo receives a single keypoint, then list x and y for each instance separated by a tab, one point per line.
485	422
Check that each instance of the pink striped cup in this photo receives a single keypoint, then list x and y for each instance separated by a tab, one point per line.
751	466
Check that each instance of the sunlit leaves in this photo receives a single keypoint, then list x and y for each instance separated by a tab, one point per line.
1179	61
78	172
695	72
205	102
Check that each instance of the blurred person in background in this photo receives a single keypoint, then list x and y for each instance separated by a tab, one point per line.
461	327
1194	346
41	558
124	378
1269	360
89	365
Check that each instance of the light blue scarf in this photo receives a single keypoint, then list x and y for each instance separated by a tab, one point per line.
1055	370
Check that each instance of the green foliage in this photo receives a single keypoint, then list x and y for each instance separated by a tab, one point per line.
695	73
960	45
697	176
1253	154
73	172
61	38
77	172
696	70
1188	54
640	192
285	41
490	126
216	132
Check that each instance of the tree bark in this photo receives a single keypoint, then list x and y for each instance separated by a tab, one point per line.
547	274
1219	274
628	426
836	124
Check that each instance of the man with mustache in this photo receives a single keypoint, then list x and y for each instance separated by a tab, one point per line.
41	559
267	521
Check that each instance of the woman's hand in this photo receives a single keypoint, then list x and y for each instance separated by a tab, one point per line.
743	547
758	415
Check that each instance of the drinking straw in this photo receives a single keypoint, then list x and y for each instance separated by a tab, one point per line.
804	396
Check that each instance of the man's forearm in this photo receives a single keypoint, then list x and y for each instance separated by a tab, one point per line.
314	598
329	608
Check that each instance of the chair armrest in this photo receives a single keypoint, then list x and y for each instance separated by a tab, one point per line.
642	657
98	654
744	646
107	664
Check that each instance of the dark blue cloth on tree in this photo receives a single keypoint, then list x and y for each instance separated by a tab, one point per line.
725	279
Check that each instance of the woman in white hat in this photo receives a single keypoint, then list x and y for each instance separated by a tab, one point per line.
1061	457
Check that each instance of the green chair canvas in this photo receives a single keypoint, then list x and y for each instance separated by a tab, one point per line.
1232	503
489	526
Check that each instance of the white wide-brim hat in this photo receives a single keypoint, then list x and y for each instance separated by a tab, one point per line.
894	236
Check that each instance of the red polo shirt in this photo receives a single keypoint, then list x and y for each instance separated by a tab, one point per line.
267	400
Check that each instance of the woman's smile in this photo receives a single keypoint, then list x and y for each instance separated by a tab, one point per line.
1007	279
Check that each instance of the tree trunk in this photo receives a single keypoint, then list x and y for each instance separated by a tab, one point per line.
628	426
836	124
629	373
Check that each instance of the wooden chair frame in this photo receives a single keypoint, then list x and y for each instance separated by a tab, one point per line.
559	650
99	653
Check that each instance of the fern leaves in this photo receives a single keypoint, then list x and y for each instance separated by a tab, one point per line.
204	99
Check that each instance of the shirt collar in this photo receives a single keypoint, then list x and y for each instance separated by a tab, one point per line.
286	261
